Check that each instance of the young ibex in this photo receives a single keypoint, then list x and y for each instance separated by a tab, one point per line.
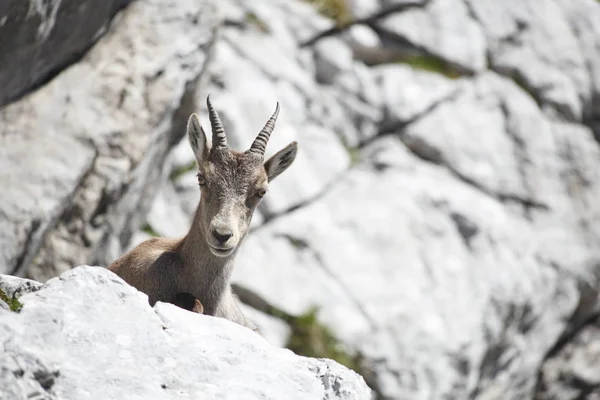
200	264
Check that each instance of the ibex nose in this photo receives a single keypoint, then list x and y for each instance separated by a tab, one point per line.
222	235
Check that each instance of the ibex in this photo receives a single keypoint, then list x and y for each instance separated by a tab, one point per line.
200	264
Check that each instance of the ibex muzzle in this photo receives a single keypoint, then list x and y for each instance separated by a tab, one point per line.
232	183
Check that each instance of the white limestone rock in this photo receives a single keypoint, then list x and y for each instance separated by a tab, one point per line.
445	28
332	57
538	43
89	320
82	154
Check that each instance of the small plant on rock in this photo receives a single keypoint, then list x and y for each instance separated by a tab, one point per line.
338	10
14	304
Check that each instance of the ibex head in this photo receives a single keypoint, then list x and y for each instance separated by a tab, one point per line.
232	183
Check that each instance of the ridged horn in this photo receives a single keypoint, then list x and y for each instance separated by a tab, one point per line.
218	133
260	143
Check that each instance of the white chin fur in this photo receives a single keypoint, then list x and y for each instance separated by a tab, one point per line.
221	253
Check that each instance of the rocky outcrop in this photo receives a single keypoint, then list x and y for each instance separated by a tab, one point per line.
571	372
82	154
454	243
441	212
87	334
42	37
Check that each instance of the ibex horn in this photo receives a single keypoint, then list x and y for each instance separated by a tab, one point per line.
218	138
260	143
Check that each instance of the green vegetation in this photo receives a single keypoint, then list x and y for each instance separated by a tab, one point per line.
309	337
354	155
255	21
312	339
353	152
148	229
177	172
338	10
14	304
298	243
431	64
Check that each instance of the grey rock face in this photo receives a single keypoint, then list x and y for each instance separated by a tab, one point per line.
407	93
42	37
572	371
443	28
82	154
332	57
548	53
17	287
445	223
89	320
466	205
465	209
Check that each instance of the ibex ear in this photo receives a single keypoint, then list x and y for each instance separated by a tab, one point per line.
281	160
197	138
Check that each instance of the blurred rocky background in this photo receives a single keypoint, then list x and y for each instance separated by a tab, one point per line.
438	231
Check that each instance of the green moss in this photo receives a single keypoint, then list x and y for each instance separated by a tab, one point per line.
298	243
353	152
14	304
177	172
338	10
258	23
431	64
148	229
354	155
312	339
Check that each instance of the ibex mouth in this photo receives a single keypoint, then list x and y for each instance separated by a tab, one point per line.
221	252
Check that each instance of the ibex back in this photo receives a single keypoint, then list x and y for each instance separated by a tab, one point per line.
231	185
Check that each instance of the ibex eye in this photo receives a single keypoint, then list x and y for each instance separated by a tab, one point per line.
261	192
201	180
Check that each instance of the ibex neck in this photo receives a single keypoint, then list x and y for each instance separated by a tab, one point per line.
211	273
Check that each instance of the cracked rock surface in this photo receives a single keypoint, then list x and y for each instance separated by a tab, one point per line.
42	37
572	372
87	334
81	155
441	214
451	251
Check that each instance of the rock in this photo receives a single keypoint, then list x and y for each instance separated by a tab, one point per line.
363	8
89	320
479	239
45	37
363	36
16	287
245	98
408	93
443	28
33	207
571	371
441	215
274	330
87	173
181	159
332	57
507	161
543	52
165	218
188	192
137	238
321	160
581	16
392	3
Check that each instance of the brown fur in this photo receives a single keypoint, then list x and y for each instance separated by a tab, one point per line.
199	265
